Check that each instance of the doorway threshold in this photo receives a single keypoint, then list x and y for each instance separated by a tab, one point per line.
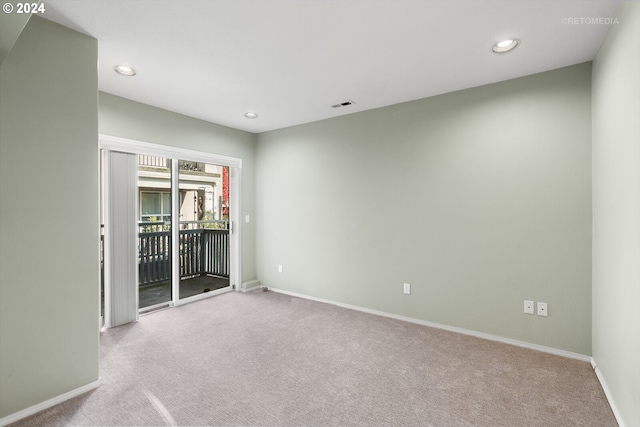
154	308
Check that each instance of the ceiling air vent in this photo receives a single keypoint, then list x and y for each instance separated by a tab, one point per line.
343	104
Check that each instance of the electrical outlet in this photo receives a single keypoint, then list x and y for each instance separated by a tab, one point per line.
542	309
528	307
279	268
407	288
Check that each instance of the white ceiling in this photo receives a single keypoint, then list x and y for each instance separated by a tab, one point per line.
290	60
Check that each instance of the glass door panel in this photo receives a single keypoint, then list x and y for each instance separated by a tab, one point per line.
154	232
204	233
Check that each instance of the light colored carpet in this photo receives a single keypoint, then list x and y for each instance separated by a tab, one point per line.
266	359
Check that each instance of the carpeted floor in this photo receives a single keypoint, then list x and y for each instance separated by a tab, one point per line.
267	359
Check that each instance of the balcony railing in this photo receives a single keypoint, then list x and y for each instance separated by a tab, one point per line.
154	161
164	163
203	251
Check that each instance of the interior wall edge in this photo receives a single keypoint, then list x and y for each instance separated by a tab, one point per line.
607	392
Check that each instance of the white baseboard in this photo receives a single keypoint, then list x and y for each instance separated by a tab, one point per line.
250	285
537	347
607	392
48	403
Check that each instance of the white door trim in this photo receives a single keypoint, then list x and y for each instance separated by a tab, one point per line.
116	143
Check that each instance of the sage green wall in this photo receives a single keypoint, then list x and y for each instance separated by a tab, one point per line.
128	119
11	25
616	212
48	215
479	198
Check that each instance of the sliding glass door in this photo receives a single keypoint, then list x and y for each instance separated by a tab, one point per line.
202	214
178	225
203	190
154	232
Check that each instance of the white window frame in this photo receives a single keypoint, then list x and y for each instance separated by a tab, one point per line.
162	203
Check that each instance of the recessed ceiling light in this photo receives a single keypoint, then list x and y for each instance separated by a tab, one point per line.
125	71
505	45
250	115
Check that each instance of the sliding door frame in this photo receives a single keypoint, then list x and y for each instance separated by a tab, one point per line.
125	145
